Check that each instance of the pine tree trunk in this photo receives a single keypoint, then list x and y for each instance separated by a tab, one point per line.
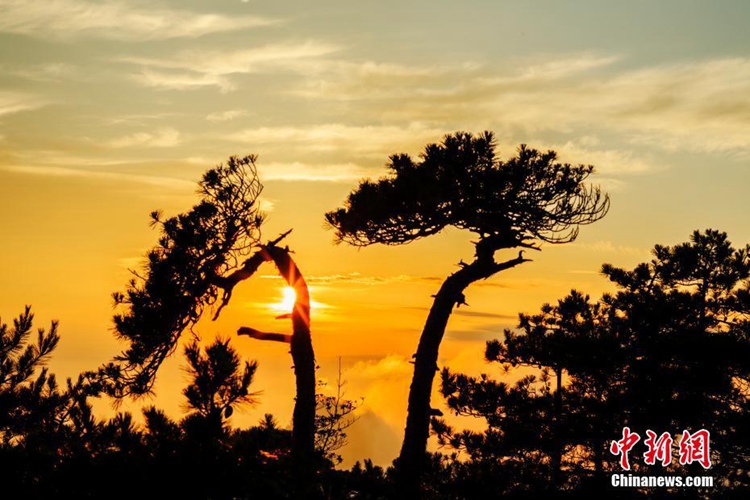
413	457
303	356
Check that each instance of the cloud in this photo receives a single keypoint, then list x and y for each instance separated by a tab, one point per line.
227	62
162	138
588	150
473	314
476	335
139	119
700	106
371	438
564	67
50	72
72	19
373	141
467	83
482	314
223	116
12	102
391	366
696	107
306	172
383	383
375	81
192	69
297	171
181	81
58	158
151	180
611	165
609	247
363	279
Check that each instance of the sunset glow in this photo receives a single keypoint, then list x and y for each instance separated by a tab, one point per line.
110	110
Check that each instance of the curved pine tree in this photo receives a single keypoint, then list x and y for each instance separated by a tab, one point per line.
516	203
201	256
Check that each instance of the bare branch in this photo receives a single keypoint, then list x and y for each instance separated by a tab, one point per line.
258	335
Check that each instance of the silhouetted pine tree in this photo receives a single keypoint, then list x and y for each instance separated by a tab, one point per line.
201	256
516	203
668	351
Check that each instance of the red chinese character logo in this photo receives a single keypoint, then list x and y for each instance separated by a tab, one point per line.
624	445
695	448
658	449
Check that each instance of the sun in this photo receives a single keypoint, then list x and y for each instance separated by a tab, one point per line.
287	302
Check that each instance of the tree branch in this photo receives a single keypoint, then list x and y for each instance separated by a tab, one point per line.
249	267
501	266
258	335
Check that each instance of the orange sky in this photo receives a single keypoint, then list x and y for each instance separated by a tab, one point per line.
110	110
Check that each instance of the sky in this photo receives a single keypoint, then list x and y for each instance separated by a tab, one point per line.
109	110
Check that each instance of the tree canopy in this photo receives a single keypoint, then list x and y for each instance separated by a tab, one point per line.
462	183
181	276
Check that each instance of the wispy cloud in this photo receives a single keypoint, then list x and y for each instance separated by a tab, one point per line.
603	246
377	141
223	116
227	62
158	181
297	171
391	366
372	144
60	158
59	163
12	102
308	172
139	119
563	67
360	279
48	72
200	68
122	20
163	80
590	150
162	138
378	81
383	81
612	165
473	314
695	106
